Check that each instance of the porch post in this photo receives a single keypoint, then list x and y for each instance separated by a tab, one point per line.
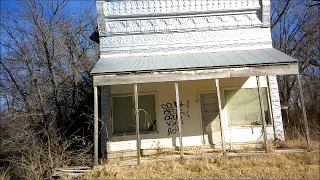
179	118
96	123
221	119
304	113
264	124
136	108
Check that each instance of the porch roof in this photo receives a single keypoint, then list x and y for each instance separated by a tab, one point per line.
190	60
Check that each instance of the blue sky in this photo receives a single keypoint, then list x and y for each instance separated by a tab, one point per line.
73	5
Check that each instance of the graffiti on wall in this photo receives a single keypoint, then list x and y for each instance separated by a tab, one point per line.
171	116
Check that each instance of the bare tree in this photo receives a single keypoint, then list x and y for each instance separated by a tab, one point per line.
295	30
45	81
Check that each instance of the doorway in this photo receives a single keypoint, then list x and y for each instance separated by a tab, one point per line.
210	118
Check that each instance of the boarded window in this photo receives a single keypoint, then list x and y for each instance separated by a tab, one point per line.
243	106
124	117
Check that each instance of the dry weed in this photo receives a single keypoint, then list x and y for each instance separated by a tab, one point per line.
273	166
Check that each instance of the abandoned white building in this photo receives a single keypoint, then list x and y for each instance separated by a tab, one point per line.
177	73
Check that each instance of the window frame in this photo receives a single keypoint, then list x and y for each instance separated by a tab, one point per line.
225	113
132	95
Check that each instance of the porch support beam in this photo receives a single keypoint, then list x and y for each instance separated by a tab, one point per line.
304	113
179	118
96	125
136	108
195	74
264	124
221	118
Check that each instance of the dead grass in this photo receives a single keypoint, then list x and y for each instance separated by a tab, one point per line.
273	166
298	144
269	166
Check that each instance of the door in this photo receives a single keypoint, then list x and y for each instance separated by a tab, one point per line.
210	117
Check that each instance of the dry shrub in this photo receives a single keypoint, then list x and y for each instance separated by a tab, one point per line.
32	147
272	166
298	144
295	129
4	174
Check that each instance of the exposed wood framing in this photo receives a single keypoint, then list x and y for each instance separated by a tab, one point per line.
160	76
264	124
179	118
96	124
136	108
221	118
304	113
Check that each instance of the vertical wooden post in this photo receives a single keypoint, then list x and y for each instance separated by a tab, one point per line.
304	113
136	108
96	124
179	118
264	124
221	118
287	112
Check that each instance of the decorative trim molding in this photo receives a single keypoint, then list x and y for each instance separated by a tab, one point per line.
144	7
101	18
178	24
266	13
167	39
151	26
266	16
189	48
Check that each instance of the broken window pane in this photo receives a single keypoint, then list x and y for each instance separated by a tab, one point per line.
124	117
243	107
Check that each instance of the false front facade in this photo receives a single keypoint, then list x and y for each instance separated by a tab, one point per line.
177	73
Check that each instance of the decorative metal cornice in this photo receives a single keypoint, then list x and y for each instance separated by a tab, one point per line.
145	26
179	24
185	41
266	13
136	41
189	48
143	7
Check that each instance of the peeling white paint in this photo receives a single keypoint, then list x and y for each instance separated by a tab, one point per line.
276	107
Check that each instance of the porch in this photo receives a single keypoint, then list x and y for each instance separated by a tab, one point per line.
214	58
199	109
183	84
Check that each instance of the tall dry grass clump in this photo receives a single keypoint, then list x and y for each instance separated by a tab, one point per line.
273	166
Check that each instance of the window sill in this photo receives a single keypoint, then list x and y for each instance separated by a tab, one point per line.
246	126
134	133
